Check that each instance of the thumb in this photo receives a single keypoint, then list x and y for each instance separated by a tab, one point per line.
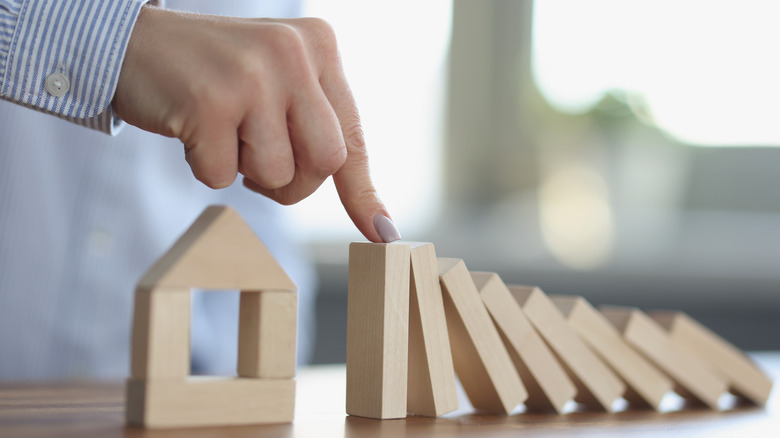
359	197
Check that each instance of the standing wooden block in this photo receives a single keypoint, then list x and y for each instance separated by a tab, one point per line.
596	383
266	334
693	376
432	389
545	379
209	401
729	363
377	329
645	382
161	311
481	361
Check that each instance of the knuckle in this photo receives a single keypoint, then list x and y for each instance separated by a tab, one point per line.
333	159
354	137
321	29
288	43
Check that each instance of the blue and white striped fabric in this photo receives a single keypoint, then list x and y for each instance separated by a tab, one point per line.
84	40
83	215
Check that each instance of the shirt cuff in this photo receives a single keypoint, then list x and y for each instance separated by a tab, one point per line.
63	57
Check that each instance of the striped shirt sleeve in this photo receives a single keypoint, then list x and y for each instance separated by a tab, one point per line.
63	57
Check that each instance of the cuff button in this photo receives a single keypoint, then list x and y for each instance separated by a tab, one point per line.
57	84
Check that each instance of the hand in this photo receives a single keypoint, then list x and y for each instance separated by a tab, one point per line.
266	98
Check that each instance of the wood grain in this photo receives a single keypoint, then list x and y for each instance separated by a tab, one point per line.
209	401
744	377
649	338
377	329
481	361
161	333
432	390
597	385
219	251
267	324
645	382
549	388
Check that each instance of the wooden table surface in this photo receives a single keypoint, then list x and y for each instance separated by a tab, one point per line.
95	409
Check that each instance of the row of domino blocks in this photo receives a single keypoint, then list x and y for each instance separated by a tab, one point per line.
414	321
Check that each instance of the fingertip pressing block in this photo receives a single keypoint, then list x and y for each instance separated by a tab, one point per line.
481	361
596	383
691	375
743	376
377	329
548	386
432	390
645	382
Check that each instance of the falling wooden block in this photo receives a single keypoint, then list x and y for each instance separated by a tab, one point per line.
548	386
649	338
161	311
432	390
266	334
481	361
208	401
219	251
377	329
596	383
645	382
727	361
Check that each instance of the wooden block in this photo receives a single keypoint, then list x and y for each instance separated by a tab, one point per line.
646	383
219	251
650	339
549	388
377	329
431	389
266	334
727	361
161	333
209	402
481	361
596	383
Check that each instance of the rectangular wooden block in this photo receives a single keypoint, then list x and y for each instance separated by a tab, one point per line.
266	334
646	383
481	361
739	371
209	401
377	329
596	383
548	386
650	339
432	389
161	311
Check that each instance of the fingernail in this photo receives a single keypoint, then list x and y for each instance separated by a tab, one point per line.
386	228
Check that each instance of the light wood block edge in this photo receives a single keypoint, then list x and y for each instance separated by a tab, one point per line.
377	329
646	383
743	375
480	358
548	385
693	377
432	388
197	402
597	385
266	336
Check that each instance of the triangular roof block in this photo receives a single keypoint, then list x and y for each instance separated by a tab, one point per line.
219	251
